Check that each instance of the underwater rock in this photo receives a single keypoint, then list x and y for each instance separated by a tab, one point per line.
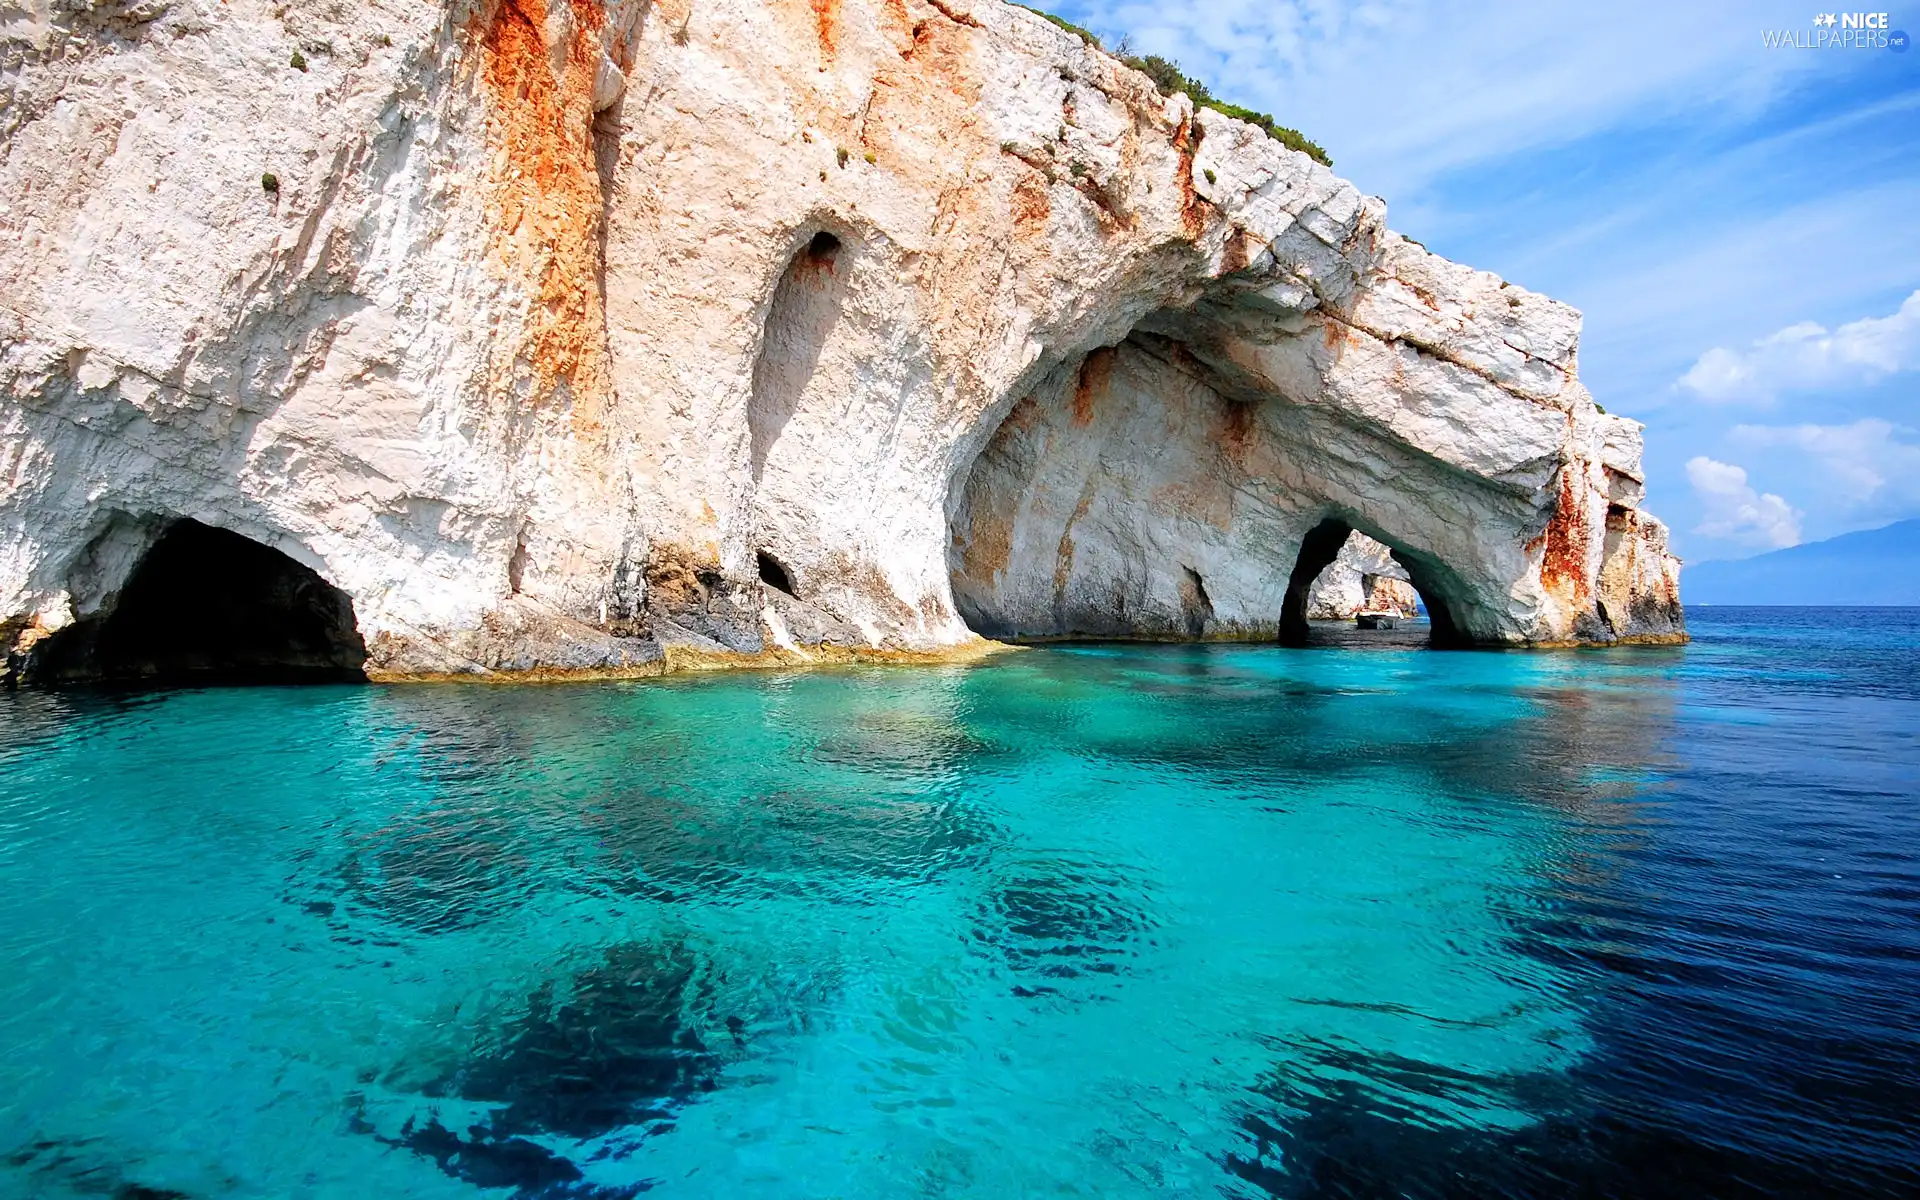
1062	924
606	1053
53	1167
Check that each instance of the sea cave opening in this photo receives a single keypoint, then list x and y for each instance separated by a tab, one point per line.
207	605
1144	491
774	573
1342	575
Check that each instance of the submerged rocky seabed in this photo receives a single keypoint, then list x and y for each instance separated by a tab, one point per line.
1114	920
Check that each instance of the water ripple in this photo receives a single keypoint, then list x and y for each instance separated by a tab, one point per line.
1104	920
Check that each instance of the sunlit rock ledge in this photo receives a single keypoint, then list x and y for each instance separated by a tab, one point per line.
552	337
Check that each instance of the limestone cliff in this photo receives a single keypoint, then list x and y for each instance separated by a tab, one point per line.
550	333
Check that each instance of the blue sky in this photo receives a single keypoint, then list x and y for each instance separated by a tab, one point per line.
1740	225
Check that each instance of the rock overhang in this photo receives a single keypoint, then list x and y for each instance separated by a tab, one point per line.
488	355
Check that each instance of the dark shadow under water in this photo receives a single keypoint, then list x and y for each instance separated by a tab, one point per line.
1735	903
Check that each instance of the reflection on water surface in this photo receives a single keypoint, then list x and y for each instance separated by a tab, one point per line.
1106	920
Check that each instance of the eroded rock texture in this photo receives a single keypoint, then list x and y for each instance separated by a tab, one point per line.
553	334
1363	578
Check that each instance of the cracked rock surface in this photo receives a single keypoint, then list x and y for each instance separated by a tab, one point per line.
537	329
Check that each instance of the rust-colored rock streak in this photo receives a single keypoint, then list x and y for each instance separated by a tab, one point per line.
1563	564
1236	433
826	20
1096	373
1193	207
546	205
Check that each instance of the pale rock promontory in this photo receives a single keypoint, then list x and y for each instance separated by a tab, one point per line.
574	336
1362	578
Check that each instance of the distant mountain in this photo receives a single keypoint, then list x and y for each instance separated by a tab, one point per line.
1874	566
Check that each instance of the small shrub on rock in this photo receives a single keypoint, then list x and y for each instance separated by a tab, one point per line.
1169	78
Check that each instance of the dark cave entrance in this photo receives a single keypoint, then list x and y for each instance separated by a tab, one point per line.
206	605
1317	552
774	574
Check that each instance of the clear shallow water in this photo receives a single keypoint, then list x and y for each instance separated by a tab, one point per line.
1099	921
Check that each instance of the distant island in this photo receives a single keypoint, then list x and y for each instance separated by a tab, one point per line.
1873	566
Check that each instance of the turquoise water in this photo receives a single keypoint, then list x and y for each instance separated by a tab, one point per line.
1092	921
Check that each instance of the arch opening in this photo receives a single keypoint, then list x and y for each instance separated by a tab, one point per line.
1151	490
1317	552
822	247
1320	554
206	605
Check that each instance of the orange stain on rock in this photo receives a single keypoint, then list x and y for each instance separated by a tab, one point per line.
826	22
1025	415
1064	552
989	544
1239	251
546	208
1563	564
1032	206
1095	374
1236	433
1186	142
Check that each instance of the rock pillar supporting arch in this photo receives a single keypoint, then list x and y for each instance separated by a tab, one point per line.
1135	495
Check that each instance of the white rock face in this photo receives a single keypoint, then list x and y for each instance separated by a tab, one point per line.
541	329
1363	578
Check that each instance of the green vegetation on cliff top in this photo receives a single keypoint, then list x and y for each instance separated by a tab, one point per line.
1169	78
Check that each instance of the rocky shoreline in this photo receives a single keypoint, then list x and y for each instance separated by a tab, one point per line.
525	334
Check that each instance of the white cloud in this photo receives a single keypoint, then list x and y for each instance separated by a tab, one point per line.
1402	91
1869	466
1806	355
1733	509
1446	106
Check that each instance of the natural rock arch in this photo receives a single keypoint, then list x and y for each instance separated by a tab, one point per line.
1146	492
1321	546
205	604
1364	577
544	417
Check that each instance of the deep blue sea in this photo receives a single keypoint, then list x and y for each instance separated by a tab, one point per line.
1094	921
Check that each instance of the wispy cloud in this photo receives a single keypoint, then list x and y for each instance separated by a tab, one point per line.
1402	91
1748	271
1807	356
1732	509
1870	465
1719	211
